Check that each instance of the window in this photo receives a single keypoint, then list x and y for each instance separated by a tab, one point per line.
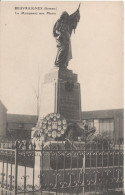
21	125
106	125
96	125
102	126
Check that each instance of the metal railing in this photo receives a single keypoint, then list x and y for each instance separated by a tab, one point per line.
61	168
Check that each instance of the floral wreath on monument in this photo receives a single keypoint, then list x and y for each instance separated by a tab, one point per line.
52	126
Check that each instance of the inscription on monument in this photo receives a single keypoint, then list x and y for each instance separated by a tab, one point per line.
69	101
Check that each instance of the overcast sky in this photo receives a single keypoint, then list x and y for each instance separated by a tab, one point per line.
26	43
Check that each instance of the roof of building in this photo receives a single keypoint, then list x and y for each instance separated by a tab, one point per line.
103	114
18	118
2	106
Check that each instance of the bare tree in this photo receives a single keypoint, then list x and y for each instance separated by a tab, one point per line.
36	91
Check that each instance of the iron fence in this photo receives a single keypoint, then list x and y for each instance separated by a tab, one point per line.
61	168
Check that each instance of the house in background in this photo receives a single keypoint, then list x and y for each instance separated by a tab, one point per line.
109	122
106	121
3	119
19	126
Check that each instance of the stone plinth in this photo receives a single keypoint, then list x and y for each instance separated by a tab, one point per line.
61	93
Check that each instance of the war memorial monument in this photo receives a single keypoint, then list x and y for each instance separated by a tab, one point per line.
60	103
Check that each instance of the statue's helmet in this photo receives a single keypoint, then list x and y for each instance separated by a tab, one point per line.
64	15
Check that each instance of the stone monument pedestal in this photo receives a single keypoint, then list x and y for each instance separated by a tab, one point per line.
60	93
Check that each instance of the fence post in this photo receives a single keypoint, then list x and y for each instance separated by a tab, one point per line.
83	189
16	166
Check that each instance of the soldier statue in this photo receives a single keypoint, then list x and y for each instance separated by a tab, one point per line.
62	32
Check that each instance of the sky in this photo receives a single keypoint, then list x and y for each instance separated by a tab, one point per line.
28	50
